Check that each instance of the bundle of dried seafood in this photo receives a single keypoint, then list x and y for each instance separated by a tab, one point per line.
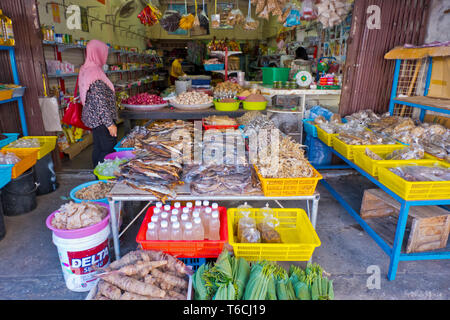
78	215
95	191
422	173
248	117
137	132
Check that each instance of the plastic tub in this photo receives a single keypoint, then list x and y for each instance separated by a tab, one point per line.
28	159
275	74
286	187
48	144
79	250
5	174
227	106
254	105
125	154
299	239
214	67
186	249
84	185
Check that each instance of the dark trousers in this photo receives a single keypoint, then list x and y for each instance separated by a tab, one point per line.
103	144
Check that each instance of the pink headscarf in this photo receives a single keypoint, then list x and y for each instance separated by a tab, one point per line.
92	69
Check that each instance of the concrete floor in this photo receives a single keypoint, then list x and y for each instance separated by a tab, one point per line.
30	269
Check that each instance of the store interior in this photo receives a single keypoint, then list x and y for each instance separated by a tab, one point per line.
333	158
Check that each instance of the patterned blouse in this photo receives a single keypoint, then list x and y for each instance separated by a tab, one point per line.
100	106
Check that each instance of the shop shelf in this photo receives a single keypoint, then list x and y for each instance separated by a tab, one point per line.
289	186
48	144
28	159
299	239
5	174
371	166
10	137
186	249
415	191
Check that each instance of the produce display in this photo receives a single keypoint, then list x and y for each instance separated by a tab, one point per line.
144	275
231	278
9	158
78	215
144	99
422	173
193	98
95	191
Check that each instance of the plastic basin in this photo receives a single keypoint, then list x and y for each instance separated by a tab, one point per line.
84	185
227	106
254	105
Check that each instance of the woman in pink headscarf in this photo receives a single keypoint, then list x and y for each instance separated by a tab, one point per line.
98	99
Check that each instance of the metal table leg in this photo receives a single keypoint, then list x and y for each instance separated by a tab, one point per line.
398	240
315	207
114	227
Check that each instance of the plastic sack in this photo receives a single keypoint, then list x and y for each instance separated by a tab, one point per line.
293	19
268	225
170	21
250	235
250	23
319	111
215	21
318	154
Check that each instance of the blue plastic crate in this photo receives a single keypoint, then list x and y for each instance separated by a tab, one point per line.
201	82
214	67
11	137
118	148
195	263
310	128
5	174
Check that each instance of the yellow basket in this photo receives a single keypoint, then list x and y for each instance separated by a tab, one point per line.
422	190
347	150
325	137
371	166
288	187
297	234
48	144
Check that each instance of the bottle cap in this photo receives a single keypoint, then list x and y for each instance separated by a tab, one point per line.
215	205
175	211
198	203
173	219
159	204
177	205
176	225
156	211
164	224
188	225
196	214
189	204
205	203
167	207
185	210
154	219
151	225
184	217
197	220
208	210
164	215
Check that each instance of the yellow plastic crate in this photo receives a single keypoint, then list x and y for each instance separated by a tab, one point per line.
288	187
347	150
371	166
325	137
422	190
297	234
48	144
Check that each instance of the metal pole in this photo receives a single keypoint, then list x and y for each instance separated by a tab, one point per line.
114	228
398	241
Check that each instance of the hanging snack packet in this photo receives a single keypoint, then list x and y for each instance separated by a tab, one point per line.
250	23
170	21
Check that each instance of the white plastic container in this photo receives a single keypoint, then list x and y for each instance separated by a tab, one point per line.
176	234
152	232
198	230
214	226
188	232
77	257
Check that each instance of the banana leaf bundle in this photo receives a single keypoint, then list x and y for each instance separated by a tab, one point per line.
284	287
310	284
259	281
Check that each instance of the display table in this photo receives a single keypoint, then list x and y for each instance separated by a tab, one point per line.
393	252
122	192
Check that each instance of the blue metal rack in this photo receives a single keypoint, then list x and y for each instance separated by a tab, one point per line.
12	58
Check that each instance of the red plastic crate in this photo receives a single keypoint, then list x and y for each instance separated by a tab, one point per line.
185	249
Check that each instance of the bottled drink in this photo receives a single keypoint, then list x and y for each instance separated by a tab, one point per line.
164	216
173	219
175	212
189	206
186	211
164	233
167	208
196	214
155	219
205	204
152	232
214	226
205	219
184	220
215	206
188	232
198	230
156	212
198	205
176	233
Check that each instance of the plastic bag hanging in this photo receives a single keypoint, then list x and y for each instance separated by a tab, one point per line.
150	15
187	20
250	23
204	20
236	17
215	18
171	19
196	19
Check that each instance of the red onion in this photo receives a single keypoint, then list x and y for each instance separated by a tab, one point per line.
144	99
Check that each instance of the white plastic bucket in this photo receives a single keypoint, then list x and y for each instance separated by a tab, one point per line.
79	255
